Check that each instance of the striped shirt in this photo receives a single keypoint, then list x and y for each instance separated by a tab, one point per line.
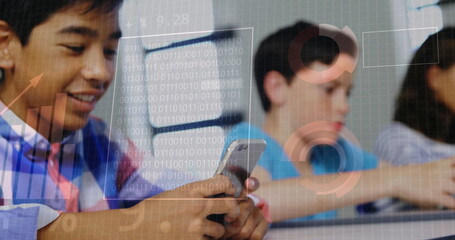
90	170
402	145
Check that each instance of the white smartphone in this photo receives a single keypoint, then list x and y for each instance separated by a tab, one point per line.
239	161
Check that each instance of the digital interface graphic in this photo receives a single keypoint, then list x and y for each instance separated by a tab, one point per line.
126	109
181	97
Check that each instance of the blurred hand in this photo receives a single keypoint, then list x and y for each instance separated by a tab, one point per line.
250	224
252	184
429	184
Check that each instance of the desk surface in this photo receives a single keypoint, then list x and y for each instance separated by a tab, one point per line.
401	226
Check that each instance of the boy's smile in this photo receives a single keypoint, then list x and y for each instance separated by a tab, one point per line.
76	51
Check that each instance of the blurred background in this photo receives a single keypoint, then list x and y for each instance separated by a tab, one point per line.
184	72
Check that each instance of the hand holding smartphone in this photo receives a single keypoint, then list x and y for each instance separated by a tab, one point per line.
237	163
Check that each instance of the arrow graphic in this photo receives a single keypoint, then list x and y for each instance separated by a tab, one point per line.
33	83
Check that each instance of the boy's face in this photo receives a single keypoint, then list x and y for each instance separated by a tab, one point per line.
324	106
77	53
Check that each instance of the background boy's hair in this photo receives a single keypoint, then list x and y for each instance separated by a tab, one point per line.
273	53
24	15
416	105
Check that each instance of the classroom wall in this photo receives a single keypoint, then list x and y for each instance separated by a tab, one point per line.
448	15
381	65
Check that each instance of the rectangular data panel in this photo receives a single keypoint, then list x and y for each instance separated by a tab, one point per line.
381	48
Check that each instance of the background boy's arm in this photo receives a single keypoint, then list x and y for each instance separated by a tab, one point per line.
423	184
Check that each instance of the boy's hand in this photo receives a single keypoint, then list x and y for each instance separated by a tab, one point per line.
250	224
177	214
182	213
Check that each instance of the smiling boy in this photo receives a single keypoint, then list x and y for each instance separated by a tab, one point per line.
55	155
75	52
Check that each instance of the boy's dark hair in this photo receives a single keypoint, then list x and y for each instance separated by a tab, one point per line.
273	52
416	105
23	15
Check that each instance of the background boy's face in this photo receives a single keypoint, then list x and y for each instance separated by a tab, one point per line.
77	53
325	104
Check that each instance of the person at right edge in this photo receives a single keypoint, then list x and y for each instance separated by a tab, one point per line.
423	128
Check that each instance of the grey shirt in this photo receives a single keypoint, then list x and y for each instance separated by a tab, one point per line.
401	145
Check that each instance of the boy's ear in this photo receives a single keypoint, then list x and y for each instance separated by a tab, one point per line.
275	87
6	34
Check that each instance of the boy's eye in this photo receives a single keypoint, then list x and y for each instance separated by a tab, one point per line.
110	52
75	49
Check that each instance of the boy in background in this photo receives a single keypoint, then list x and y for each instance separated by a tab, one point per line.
311	166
